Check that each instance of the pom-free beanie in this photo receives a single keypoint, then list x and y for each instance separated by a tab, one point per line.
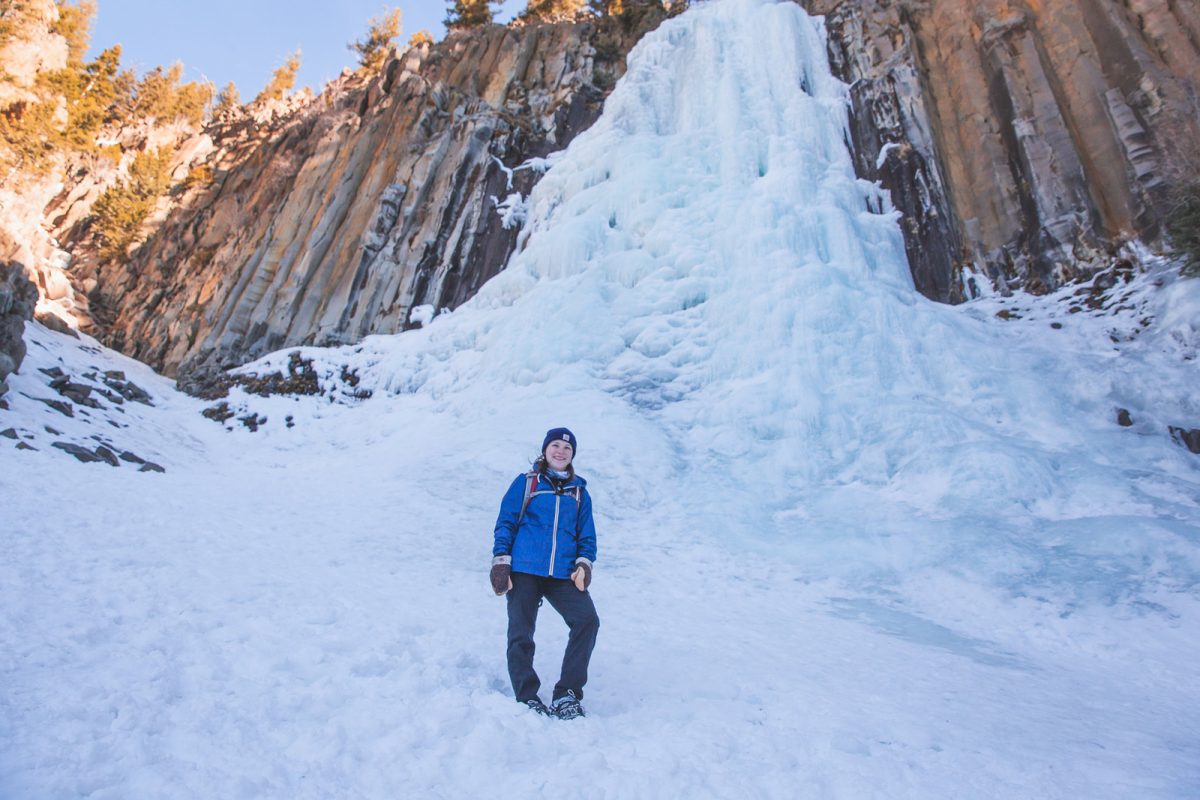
562	435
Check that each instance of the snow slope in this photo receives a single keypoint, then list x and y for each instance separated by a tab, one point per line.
852	543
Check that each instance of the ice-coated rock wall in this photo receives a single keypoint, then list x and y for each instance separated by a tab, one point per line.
1024	137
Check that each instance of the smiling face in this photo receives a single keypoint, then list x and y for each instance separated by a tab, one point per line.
559	454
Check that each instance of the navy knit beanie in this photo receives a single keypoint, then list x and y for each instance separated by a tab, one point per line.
564	435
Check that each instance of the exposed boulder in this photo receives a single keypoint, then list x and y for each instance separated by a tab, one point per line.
301	379
1188	437
18	296
82	453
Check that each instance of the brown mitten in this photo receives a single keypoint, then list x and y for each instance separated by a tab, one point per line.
501	574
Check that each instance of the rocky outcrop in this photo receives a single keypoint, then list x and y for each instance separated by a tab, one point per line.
41	203
365	211
28	51
18	296
1022	138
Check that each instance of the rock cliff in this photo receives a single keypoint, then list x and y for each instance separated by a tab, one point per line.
375	204
1019	140
1026	138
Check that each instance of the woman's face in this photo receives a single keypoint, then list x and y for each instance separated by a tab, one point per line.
559	454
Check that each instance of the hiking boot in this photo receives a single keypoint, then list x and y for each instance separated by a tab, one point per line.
537	705
567	706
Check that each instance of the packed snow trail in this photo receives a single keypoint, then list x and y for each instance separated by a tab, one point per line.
852	544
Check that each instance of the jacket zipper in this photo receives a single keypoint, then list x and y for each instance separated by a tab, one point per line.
554	534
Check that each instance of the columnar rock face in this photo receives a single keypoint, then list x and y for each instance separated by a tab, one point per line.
383	195
1019	139
1024	137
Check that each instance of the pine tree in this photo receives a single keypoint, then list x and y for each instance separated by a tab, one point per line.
228	100
161	95
75	25
121	210
91	92
635	9
282	80
33	129
469	13
384	30
551	10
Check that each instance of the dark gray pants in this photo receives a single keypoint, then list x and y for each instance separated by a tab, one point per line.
575	607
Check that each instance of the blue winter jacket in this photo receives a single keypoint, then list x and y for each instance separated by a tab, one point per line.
554	531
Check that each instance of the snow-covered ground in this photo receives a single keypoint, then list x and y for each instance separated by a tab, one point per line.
853	544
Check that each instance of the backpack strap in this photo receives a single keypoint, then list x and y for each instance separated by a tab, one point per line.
531	479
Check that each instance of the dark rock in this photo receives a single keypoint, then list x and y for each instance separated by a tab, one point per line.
1056	325
82	453
9	432
1188	437
79	393
150	466
300	380
108	455
1123	418
52	431
114	374
208	382
56	323
218	413
253	421
58	405
290	420
23	446
53	372
129	390
132	458
18	296
3	403
60	381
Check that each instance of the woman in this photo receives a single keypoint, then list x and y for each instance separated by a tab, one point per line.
544	547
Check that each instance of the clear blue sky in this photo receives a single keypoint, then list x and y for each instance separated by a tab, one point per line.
244	41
